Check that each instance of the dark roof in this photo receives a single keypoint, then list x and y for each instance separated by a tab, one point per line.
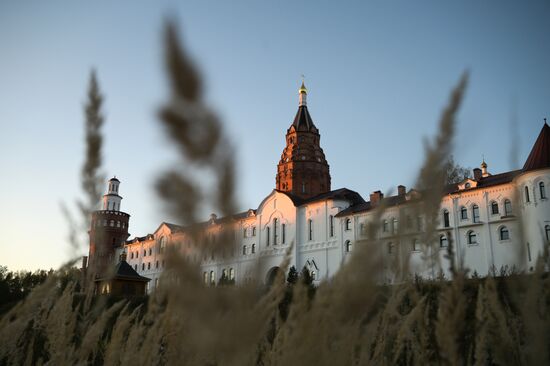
540	153
339	194
123	271
114	178
303	121
366	206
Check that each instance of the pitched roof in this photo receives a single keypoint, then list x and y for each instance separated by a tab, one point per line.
303	121
366	206
123	271
540	153
339	194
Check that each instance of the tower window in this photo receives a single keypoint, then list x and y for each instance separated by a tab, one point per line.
244	249
310	228
253	249
507	207
494	208
463	213
472	238
275	231
303	187
268	234
475	213
504	234
416	245
542	190
446	222
283	233
527	199
331	225
443	242
348	224
348	246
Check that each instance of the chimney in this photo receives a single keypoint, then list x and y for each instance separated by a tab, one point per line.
375	198
477	173
401	190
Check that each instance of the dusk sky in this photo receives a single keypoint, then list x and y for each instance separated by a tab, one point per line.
379	74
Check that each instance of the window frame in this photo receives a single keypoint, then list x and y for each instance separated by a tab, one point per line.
494	204
472	234
503	229
463	213
475	213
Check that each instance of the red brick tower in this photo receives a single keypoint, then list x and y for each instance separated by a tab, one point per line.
108	231
303	170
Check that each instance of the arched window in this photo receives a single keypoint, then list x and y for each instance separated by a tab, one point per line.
143	266
132	255
150	251
149	266
244	232
475	213
253	230
157	264
446	222
390	248
348	224
253	248
547	231
112	223
394	225
224	273
244	249
205	278
267	236
507	207
385	226
310	228
118	223
212	278
313	275
348	246
443	242
162	244
494	208
231	274
275	229
144	252
283	233
463	213
542	190
472	237
331	225
504	234
527	199
135	267
416	245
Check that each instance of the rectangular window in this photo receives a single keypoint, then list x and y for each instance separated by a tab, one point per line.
446	222
283	233
310	227
331	225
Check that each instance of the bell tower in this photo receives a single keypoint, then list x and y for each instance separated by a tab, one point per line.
303	170
108	231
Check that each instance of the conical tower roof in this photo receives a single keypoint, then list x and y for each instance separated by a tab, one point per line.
540	153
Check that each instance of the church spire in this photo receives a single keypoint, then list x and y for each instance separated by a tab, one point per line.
302	92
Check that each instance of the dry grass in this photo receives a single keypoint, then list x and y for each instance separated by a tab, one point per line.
351	319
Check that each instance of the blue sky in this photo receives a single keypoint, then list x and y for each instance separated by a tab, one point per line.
379	74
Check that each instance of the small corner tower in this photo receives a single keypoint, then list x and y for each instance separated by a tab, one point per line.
303	169
108	230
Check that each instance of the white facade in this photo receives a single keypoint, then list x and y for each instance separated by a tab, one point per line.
492	228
